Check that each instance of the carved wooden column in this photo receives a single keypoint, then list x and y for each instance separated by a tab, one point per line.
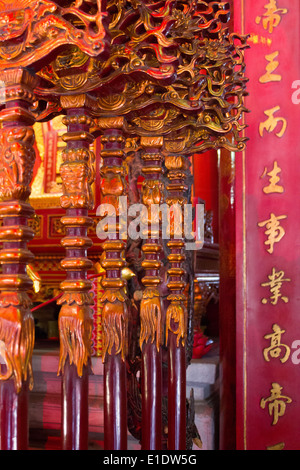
75	318
17	157
115	313
151	311
176	316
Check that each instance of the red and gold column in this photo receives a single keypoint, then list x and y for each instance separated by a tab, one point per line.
75	318
115	309
176	315
17	157
151	311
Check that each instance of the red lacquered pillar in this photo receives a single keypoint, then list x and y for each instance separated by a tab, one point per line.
17	157
115	312
75	317
151	310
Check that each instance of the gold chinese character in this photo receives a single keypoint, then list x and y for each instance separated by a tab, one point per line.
273	187
275	284
276	348
254	38
271	123
269	76
274	230
277	403
279	446
272	17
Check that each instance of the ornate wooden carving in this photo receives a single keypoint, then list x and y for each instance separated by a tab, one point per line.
139	69
75	317
176	316
31	30
151	309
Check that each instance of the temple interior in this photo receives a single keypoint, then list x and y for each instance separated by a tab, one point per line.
149	283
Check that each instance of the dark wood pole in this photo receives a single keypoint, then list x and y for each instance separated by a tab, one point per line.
151	310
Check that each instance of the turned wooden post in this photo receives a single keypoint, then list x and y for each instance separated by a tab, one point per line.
151	310
75	317
176	315
17	157
115	309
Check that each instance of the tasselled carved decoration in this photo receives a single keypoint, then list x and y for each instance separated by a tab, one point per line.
78	173
17	158
113	187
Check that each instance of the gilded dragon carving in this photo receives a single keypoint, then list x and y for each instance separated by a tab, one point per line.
33	29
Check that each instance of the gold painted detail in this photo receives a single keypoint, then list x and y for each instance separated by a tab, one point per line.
177	315
115	324
279	446
276	403
277	349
